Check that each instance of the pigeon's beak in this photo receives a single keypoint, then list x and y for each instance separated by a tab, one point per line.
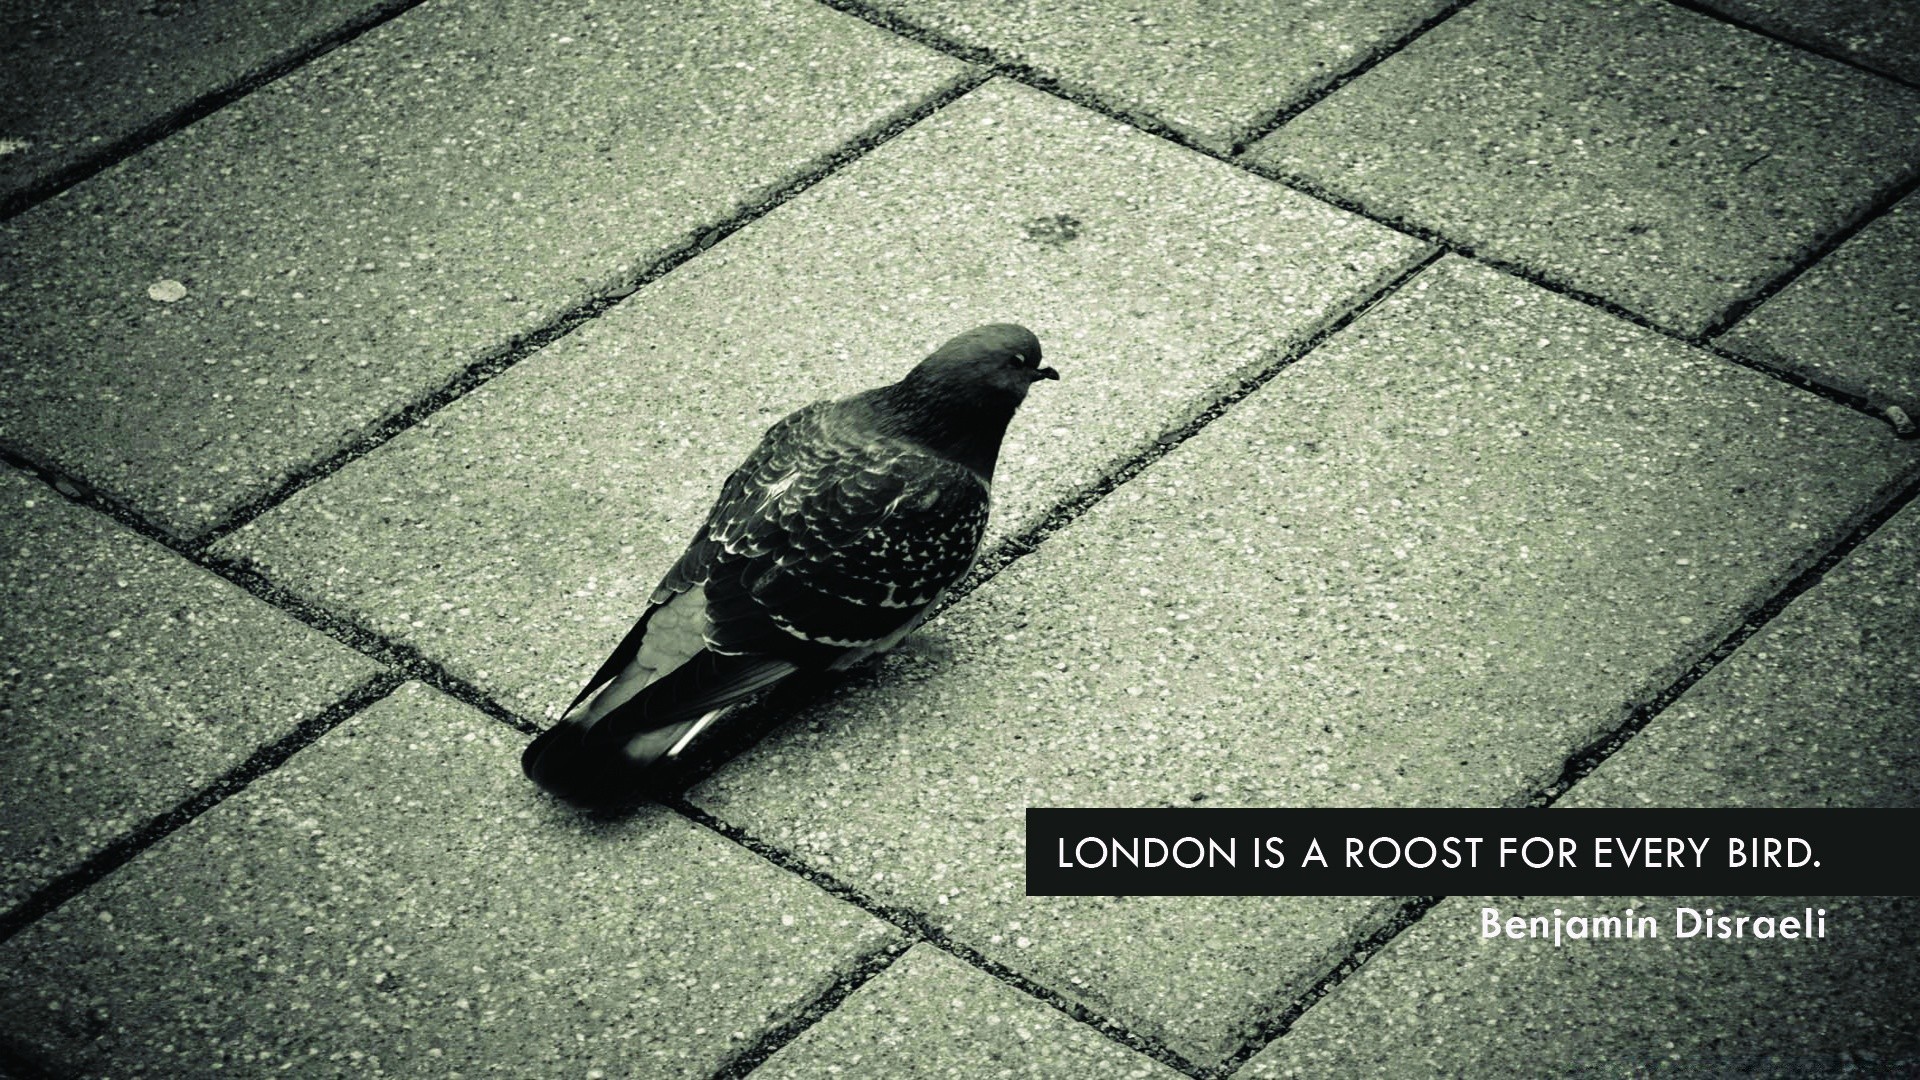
1046	373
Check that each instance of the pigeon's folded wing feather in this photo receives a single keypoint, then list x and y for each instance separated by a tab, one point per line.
818	552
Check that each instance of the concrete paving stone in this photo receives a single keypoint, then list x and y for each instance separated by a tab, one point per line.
1637	151
1872	33
197	324
80	77
1210	71
930	1015
389	902
1820	708
517	534
132	680
1441	1001
1422	566
1853	320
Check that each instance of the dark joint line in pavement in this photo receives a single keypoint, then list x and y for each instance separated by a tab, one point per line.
1821	51
1277	119
1070	508
774	1039
1875	408
1883	409
1014	71
80	493
132	143
404	661
1583	762
262	761
1409	912
1815	254
920	929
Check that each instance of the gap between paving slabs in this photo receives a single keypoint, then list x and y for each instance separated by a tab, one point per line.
154	829
134	679
1539	135
110	80
1195	73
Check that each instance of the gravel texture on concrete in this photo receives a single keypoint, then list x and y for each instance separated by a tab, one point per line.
392	902
1853	320
192	327
1818	709
1635	151
80	77
1211	72
515	535
930	1015
1873	33
132	680
1443	1001
1423	566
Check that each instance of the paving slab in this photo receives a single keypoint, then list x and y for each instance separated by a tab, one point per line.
1656	157
1853	320
1212	72
390	902
1817	709
1442	1001
929	1015
1422	566
194	326
1872	33
132	680
80	78
516	535
1820	708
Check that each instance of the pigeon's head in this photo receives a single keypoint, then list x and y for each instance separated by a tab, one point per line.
986	366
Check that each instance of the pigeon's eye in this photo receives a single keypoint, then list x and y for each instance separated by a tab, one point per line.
1020	360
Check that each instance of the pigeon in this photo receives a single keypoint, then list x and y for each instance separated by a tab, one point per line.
836	537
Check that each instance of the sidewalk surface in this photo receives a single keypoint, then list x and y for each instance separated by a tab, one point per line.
1458	399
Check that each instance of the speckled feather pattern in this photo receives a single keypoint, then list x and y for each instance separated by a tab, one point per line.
828	536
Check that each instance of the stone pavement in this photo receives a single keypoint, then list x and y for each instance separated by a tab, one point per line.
1463	403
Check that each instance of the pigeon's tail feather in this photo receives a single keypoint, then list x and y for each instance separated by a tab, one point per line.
591	759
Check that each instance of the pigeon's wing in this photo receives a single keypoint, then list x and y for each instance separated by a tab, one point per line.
861	541
819	551
590	748
780	451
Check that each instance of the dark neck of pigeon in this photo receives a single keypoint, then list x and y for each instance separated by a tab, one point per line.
958	401
962	431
